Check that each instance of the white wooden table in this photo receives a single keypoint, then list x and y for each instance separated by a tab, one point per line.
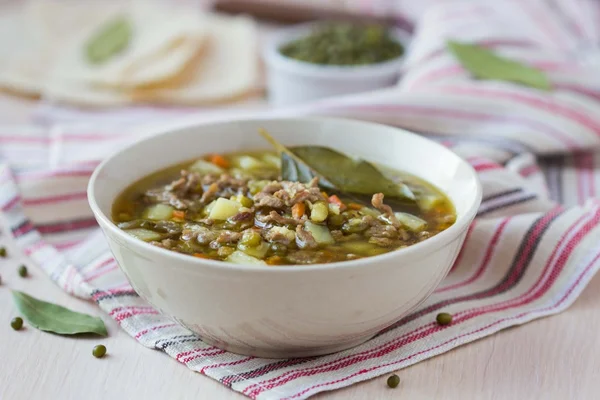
553	358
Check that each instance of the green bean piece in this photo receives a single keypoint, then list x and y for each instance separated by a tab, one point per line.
336	220
244	201
250	239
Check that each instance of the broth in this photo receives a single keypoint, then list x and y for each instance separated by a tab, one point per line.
235	208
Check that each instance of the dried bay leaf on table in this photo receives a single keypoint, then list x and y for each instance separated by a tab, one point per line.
51	317
485	64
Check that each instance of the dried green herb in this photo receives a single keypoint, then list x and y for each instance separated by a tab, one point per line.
344	43
485	64
51	317
110	40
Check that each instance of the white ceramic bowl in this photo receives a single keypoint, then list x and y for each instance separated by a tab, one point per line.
287	311
291	81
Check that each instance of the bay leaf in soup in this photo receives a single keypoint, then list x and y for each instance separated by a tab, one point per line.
338	173
349	174
51	317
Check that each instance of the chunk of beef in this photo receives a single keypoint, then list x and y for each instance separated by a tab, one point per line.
180	193
280	195
305	239
387	231
210	193
224	185
339	236
188	183
271	187
262	199
169	227
382	241
302	257
242	216
162	196
423	235
229	237
275	217
165	244
296	192
377	201
206	236
199	233
278	234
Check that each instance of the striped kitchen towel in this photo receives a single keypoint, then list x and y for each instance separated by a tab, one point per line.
532	249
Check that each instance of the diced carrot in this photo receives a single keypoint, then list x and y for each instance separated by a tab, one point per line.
298	210
274	260
179	214
335	200
219	161
200	255
355	206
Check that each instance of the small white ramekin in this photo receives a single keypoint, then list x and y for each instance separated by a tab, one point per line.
290	81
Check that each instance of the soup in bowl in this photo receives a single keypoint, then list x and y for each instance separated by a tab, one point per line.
309	247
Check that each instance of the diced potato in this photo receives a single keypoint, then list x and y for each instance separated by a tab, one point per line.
320	233
255	251
272	160
159	212
334	209
411	222
209	207
319	211
144	234
250	238
224	208
205	167
248	162
239	257
428	202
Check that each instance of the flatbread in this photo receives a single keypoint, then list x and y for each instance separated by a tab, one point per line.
31	35
163	42
226	69
177	56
